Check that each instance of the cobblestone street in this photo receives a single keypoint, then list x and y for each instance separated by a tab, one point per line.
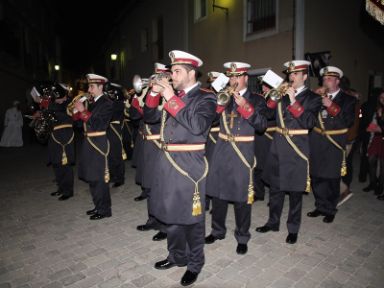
49	243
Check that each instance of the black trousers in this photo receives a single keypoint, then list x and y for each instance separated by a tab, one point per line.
276	204
64	179
152	221
377	182
242	218
101	197
327	194
259	186
186	245
117	170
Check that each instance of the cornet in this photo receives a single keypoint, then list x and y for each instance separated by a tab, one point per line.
224	95
276	94
71	106
140	83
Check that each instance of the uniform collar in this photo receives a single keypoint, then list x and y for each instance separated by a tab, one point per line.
97	97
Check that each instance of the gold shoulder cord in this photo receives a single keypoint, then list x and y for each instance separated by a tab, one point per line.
343	171
251	192
212	138
123	154
106	170
64	159
196	206
157	143
293	145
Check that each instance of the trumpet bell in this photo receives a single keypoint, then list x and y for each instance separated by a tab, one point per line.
223	98
139	83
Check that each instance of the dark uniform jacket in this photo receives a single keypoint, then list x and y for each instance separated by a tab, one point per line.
172	192
285	169
115	156
325	157
228	177
92	163
55	150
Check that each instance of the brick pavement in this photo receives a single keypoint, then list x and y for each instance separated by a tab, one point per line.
49	243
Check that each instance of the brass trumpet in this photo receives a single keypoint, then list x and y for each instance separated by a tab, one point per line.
276	94
71	106
140	83
223	96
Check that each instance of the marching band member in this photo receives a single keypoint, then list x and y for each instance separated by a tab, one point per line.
151	147
287	166
327	144
93	163
178	186
61	143
213	134
117	154
230	177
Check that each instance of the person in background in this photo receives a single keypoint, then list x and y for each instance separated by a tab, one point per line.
13	124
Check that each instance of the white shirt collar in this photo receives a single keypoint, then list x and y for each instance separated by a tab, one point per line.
186	90
242	92
300	89
334	94
97	97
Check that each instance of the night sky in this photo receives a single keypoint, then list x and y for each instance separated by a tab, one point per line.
83	25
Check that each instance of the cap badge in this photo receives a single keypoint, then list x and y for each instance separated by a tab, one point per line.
172	56
233	67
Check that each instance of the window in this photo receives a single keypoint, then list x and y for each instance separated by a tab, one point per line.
261	18
157	39
200	9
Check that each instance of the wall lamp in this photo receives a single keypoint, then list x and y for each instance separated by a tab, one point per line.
113	57
219	7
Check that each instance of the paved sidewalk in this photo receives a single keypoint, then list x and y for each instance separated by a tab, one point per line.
49	243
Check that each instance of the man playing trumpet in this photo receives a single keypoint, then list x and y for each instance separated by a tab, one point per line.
327	143
230	177
287	167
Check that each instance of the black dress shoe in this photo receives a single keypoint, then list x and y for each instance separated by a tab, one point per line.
166	264
328	218
159	236
211	239
370	187
381	197
291	238
140	198
98	216
57	193
314	213
91	212
188	278
117	184
241	249
144	227
265	229
64	197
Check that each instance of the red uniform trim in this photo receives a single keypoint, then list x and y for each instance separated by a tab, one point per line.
174	105
136	105
219	109
271	104
334	109
85	115
296	109
246	111
76	116
152	101
44	103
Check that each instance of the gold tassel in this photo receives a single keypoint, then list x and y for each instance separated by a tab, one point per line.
64	159
308	187
124	155
106	175
343	166
251	194
196	207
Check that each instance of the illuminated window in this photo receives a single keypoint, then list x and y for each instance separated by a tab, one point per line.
200	9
